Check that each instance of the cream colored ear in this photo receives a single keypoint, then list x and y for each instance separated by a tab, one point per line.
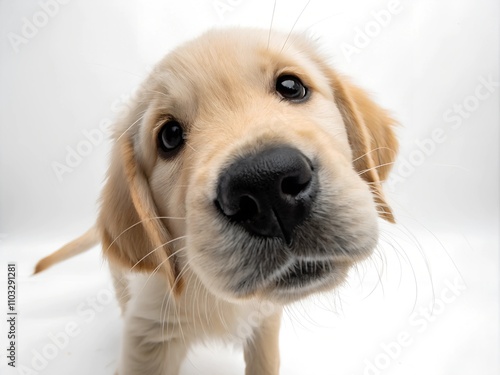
132	235
371	137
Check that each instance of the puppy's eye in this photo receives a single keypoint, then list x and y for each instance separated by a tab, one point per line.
170	137
291	88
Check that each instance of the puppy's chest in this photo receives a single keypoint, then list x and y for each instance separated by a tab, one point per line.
196	315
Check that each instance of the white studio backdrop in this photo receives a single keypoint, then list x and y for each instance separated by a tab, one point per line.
427	303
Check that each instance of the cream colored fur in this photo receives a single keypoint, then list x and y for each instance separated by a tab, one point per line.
159	229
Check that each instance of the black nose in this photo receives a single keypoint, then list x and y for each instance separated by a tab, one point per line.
268	193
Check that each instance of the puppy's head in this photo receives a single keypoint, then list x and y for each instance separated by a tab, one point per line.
251	163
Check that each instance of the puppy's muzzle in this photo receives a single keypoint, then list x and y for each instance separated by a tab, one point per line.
268	193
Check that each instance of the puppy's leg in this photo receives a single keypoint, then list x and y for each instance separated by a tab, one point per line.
154	340
142	355
262	351
120	283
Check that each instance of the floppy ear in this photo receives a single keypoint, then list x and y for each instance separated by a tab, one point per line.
371	137
132	234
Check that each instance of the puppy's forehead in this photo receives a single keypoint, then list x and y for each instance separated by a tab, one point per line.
229	65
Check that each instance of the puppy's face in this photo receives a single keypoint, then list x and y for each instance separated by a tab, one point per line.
267	156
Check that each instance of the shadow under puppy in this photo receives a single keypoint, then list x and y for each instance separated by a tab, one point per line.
247	175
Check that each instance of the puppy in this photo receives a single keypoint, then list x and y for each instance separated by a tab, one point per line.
247	176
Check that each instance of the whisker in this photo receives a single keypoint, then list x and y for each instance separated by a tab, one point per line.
373	150
295	23
153	273
166	301
271	26
158	92
159	247
139	222
157	267
191	147
375	167
130	127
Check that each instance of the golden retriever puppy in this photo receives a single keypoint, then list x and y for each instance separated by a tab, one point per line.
247	176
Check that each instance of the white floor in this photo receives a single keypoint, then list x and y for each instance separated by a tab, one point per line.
431	308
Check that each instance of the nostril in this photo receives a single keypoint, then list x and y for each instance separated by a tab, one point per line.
294	185
298	181
248	209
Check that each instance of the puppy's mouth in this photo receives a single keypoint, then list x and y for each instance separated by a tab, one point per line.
302	273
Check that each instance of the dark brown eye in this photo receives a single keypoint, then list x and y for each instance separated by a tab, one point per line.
291	88
170	137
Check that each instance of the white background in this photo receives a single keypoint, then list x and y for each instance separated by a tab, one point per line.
427	302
